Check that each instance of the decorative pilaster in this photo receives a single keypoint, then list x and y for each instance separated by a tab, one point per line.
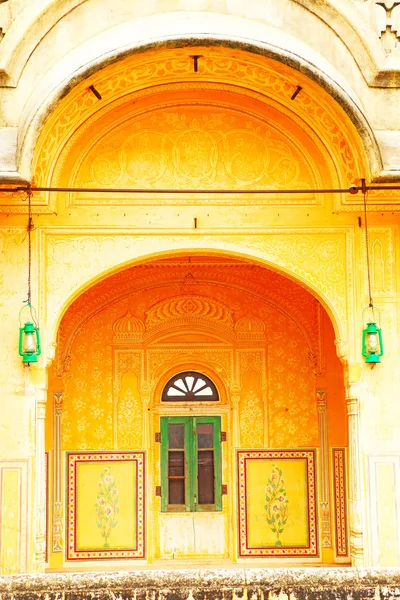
264	390
324	470
340	501
128	407
146	397
356	533
57	525
235	403
40	492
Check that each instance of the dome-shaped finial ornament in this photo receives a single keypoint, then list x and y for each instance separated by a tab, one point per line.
128	328
250	328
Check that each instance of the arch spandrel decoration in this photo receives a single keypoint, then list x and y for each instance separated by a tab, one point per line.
198	143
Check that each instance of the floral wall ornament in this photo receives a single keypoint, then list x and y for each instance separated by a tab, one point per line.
277	503
107	505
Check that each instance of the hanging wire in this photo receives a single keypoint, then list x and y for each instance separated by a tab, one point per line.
365	193
29	192
27	303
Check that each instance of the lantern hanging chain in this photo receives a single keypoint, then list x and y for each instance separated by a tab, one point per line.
371	304
29	192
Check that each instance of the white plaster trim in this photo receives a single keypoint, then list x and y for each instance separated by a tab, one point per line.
389	143
351	20
8	145
393	461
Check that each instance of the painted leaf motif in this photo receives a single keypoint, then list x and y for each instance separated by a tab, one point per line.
106	507
276	505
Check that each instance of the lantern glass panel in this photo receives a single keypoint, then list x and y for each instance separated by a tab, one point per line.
372	344
29	343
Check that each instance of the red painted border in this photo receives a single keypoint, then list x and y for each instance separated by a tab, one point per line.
139	513
46	479
339	471
309	455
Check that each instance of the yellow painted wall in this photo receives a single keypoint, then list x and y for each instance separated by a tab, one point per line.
85	243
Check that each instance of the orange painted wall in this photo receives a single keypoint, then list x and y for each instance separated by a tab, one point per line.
333	381
270	375
287	378
291	397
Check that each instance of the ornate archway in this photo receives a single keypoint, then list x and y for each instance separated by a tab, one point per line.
266	343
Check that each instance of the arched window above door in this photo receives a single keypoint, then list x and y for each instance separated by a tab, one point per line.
190	386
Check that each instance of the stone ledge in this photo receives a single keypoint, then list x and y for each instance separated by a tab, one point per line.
208	584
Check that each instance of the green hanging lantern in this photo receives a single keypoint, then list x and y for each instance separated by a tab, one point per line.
372	345
29	339
29	343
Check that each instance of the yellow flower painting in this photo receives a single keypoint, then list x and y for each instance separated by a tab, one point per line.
277	503
105	505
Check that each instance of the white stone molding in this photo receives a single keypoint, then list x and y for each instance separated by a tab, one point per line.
356	531
383	470
40	395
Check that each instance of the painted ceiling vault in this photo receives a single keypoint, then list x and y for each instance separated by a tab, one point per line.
237	285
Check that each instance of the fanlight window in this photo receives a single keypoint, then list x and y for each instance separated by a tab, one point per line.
190	387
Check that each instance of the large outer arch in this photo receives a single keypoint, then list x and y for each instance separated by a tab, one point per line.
35	114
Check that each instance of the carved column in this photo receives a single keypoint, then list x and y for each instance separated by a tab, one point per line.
356	533
352	377
40	479
324	470
57	525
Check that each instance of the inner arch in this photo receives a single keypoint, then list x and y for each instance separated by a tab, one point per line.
265	341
